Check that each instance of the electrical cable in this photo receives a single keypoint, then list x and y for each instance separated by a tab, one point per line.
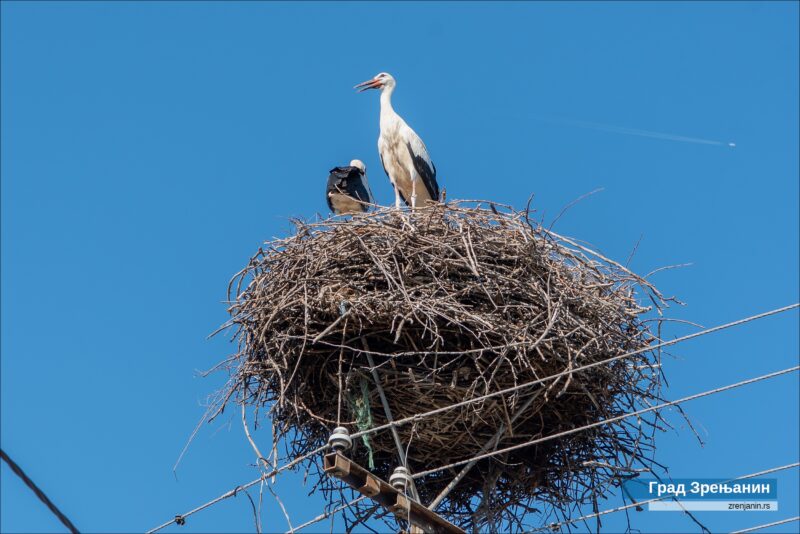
773	524
607	421
181	518
38	492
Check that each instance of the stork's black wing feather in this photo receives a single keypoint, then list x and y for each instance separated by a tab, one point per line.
356	188
335	183
348	181
426	172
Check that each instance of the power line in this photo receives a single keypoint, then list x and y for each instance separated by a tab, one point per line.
39	493
773	524
554	526
327	514
512	389
388	412
416	417
489	444
181	518
607	421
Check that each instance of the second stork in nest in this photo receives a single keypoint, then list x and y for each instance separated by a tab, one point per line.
348	191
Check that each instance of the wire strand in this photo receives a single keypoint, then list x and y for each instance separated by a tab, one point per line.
180	518
417	417
607	421
39	493
328	514
766	525
512	389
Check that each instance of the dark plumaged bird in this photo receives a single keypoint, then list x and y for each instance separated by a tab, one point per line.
348	190
403	154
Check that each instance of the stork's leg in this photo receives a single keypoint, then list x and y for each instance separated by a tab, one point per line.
396	196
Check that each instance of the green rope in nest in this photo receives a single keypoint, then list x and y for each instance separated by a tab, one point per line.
361	407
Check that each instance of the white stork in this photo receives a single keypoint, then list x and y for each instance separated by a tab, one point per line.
403	154
348	190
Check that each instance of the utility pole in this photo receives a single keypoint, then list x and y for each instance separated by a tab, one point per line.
391	496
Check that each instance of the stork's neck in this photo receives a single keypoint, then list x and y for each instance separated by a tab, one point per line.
387	110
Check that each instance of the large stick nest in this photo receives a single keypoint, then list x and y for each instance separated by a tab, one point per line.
452	302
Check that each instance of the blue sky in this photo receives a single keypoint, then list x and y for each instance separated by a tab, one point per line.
149	148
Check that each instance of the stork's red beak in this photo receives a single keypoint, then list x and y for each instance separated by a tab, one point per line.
369	84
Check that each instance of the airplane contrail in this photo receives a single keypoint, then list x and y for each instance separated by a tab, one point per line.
640	133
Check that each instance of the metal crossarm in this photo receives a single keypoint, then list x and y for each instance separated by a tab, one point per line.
380	491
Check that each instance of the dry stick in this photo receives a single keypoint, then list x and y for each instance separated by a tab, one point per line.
403	421
305	340
255	512
237	489
596	254
598	363
387	410
491	443
330	327
265	466
261	501
327	514
568	206
773	524
554	526
400	451
512	389
200	424
259	456
339	396
189	441
283	508
611	420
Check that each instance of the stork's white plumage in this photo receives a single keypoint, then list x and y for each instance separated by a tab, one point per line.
403	154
